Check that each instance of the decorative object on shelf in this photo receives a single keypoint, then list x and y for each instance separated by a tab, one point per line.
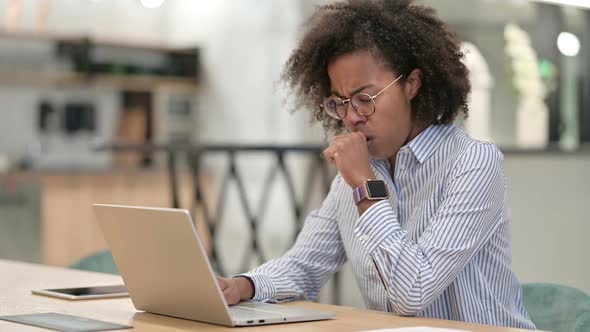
479	121
94	58
13	13
532	114
42	12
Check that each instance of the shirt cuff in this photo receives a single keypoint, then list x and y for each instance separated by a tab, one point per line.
378	223
264	289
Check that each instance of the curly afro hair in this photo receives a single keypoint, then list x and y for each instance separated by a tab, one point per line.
404	35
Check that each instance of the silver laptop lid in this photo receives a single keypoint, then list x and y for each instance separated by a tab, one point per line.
162	262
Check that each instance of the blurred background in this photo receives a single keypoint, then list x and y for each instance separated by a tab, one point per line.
176	103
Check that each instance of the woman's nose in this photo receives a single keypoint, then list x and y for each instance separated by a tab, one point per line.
352	117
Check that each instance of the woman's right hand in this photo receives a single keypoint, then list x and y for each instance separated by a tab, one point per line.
235	289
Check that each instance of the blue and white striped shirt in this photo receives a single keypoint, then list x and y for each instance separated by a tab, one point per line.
438	247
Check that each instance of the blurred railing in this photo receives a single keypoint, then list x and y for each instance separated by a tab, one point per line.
316	169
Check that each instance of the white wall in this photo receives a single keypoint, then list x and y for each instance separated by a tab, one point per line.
245	44
549	197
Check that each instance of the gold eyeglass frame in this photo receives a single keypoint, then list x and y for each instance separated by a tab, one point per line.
347	101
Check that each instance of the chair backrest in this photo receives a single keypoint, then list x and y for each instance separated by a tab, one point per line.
559	308
101	261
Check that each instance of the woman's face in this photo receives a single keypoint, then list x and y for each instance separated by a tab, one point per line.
392	124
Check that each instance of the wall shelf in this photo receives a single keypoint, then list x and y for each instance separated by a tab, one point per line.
84	60
121	82
57	37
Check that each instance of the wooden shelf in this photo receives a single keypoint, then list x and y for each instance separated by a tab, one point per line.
123	82
97	77
57	37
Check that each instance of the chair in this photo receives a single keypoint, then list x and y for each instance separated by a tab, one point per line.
559	308
101	261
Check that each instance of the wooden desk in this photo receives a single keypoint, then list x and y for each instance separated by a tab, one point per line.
19	278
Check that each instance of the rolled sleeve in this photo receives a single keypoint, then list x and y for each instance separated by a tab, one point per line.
376	224
264	289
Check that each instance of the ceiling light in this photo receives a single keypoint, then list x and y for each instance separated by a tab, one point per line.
152	4
568	44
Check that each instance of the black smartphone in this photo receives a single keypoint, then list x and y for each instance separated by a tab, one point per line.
85	293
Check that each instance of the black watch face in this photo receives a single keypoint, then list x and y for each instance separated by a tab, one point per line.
376	189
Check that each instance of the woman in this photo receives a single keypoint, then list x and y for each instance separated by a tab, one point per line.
418	208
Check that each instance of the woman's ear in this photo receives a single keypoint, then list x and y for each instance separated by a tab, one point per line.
413	83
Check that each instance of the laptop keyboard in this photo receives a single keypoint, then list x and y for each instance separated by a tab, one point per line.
249	313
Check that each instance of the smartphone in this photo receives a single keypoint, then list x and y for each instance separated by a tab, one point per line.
85	293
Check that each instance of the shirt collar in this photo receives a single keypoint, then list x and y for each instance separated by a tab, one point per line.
428	141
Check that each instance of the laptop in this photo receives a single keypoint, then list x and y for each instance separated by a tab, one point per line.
166	270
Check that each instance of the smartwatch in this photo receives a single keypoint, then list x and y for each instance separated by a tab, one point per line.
371	190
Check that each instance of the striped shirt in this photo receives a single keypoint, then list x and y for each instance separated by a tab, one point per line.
438	247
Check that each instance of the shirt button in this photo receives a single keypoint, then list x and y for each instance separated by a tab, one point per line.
364	237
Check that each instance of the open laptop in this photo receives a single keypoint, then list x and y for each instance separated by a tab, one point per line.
166	270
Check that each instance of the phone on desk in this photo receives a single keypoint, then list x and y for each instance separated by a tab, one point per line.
85	293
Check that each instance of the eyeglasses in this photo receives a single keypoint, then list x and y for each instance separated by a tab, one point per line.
363	103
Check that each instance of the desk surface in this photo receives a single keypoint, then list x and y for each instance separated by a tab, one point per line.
19	278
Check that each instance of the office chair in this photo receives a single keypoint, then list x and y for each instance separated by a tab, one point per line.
101	261
554	307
